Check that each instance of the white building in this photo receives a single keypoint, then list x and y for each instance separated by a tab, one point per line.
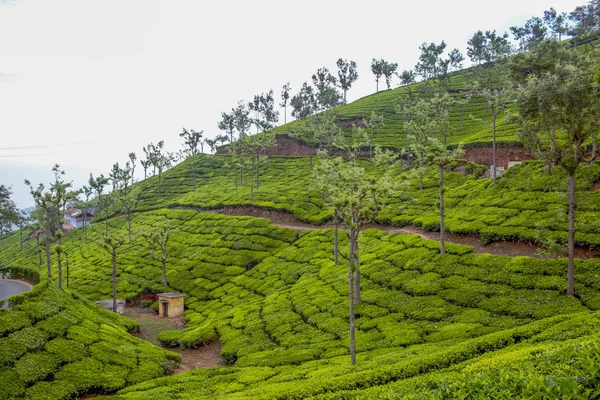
76	218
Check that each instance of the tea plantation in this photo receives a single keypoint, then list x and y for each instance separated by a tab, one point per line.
528	204
469	122
429	326
55	344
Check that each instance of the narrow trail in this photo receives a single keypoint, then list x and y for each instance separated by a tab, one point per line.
151	325
287	220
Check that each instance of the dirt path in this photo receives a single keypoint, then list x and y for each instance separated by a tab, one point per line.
287	220
151	325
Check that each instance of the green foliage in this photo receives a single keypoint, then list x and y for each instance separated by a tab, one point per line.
74	347
170	338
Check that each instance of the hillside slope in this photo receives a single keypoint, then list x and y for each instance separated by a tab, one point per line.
54	344
470	121
528	204
278	304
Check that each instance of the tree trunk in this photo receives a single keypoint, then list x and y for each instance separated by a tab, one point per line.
60	274
442	231
114	280
241	171
67	270
345	90
571	267
164	265
37	240
421	177
195	177
351	313
257	171
106	223
48	261
59	263
284	115
251	185
377	86
494	147
356	272
129	225
335	240
408	160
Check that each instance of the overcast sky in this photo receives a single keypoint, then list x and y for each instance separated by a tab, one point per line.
84	83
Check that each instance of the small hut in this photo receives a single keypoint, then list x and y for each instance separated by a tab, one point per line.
170	304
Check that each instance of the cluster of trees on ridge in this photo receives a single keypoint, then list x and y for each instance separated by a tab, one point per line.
554	88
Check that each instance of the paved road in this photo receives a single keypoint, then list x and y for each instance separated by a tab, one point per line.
9	288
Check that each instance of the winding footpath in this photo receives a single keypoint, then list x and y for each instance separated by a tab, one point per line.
287	220
9	287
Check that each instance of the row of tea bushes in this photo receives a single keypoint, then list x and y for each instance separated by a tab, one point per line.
541	356
54	344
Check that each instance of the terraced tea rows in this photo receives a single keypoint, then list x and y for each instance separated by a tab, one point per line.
279	305
55	344
527	205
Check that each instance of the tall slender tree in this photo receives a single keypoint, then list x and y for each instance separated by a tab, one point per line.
327	94
377	70
191	141
304	103
159	239
103	200
269	116
557	23
561	116
112	243
347	75
497	100
357	197
84	205
389	70
51	202
285	97
528	36
9	213
132	162
439	154
371	125
227	124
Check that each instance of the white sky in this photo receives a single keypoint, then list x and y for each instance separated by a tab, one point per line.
95	80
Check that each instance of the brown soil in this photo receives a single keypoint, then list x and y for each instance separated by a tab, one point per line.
147	312
595	187
483	155
511	249
349	124
203	357
288	146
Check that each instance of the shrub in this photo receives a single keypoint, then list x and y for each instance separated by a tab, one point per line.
66	350
145	303
170	338
35	366
199	336
12	386
55	390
